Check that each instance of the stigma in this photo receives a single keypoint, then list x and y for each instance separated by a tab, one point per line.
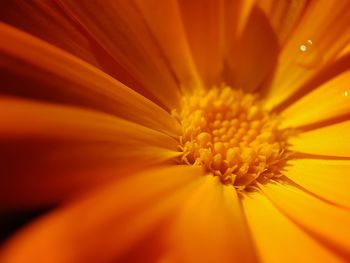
230	134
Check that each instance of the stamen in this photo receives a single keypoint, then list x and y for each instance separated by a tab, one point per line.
232	136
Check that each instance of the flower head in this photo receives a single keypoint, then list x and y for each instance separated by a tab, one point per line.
175	131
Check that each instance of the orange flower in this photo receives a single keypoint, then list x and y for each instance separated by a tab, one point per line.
176	131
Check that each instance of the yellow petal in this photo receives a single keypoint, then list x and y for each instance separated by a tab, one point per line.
278	239
331	140
63	150
204	26
164	20
67	78
320	35
326	222
249	63
211	227
330	100
328	179
283	15
106	224
123	33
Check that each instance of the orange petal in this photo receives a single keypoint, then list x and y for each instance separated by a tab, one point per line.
164	20
328	223
331	140
283	15
123	33
106	224
332	99
328	179
46	20
278	239
63	150
249	62
320	35
211	227
204	26
68	78
21	118
150	249
345	51
236	16
265	5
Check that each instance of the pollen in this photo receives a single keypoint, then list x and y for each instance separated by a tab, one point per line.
230	134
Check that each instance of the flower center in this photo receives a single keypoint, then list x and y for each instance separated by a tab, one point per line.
232	136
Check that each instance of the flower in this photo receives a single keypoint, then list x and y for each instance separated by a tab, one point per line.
176	131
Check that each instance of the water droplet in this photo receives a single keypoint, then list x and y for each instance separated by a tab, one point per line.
309	57
306	46
346	93
302	48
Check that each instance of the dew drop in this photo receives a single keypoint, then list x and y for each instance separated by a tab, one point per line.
303	48
309	56
346	93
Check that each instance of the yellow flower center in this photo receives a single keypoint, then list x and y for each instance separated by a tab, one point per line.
232	136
